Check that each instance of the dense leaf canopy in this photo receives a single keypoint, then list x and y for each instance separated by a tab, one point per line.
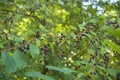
59	40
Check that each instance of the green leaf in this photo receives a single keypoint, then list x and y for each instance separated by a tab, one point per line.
102	68
3	2
112	45
63	70
114	32
73	35
109	78
15	38
20	59
1	45
80	75
84	62
43	36
38	75
2	76
93	20
81	27
112	72
9	62
92	33
43	29
34	50
37	42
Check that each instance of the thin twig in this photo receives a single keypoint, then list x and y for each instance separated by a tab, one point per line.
15	47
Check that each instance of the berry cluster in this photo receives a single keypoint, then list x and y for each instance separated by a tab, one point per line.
25	48
61	55
62	36
37	34
78	36
106	59
114	23
92	57
118	76
45	49
93	73
118	42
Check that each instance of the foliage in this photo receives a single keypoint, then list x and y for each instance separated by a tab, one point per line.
59	40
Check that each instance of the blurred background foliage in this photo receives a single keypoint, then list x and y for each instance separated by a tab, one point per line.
59	40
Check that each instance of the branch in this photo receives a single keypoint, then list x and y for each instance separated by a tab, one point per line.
15	47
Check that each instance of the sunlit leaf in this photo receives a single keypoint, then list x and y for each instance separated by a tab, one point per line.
114	32
37	42
112	45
